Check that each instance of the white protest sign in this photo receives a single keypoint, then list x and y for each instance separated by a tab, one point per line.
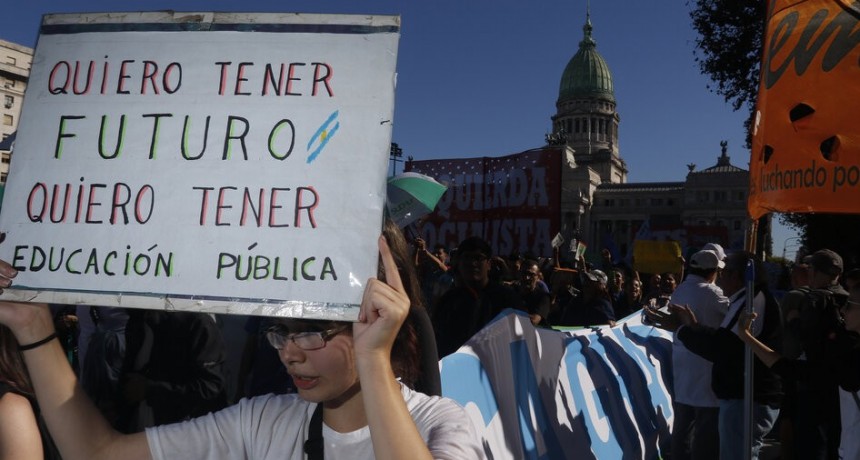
215	162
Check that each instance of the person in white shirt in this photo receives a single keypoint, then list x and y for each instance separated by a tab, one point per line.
346	369
694	431
722	347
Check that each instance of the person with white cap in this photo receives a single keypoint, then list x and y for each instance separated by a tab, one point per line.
718	250
695	432
594	306
725	350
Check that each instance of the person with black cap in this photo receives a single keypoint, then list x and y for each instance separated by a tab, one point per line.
811	316
843	353
474	300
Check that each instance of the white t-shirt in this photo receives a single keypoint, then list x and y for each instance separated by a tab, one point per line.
691	372
849	446
275	427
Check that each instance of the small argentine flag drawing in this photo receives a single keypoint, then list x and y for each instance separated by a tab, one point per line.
323	134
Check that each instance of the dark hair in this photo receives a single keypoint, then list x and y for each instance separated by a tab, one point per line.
405	354
736	262
528	263
628	285
476	244
12	369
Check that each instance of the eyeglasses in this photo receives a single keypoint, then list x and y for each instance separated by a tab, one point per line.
279	336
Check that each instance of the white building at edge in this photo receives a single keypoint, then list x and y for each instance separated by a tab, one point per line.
15	62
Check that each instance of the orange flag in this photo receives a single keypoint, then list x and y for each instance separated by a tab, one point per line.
806	137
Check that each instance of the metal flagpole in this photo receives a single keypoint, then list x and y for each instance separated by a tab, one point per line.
748	366
748	355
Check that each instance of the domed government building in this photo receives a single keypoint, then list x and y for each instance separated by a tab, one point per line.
585	194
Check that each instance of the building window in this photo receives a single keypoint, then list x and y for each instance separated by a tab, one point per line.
606	227
7	120
740	195
720	196
9	102
702	197
670	202
11	60
656	202
737	225
609	203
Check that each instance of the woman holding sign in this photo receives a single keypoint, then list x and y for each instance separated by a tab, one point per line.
349	404
23	435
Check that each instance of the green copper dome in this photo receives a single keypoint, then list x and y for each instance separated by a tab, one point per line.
587	74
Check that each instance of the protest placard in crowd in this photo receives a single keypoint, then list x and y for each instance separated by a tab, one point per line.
208	161
512	201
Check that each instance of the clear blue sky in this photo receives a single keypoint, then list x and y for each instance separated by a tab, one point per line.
480	77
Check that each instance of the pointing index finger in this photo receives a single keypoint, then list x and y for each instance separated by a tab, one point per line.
392	274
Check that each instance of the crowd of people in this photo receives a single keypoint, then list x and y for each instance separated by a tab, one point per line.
807	371
155	385
468	286
810	392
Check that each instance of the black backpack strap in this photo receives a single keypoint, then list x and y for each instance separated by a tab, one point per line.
314	447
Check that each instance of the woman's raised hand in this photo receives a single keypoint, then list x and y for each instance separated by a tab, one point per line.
29	322
384	308
744	325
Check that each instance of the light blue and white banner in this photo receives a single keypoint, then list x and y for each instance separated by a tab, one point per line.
601	393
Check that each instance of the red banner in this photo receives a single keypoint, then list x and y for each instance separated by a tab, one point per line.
806	138
513	202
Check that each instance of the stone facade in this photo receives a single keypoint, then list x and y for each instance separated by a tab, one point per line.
15	61
600	207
